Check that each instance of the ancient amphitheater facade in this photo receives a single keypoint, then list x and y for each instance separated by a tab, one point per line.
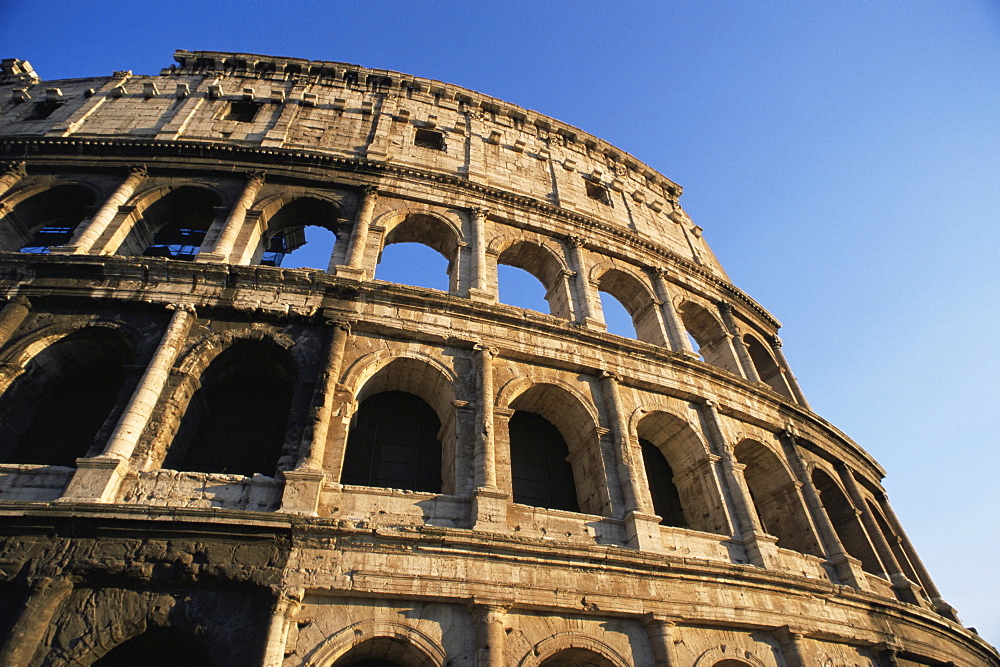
206	458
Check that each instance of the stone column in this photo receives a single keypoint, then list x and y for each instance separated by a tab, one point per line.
97	479
478	290
584	299
661	639
226	240
88	233
746	363
676	333
848	568
760	547
490	636
30	628
905	589
11	317
304	484
791	646
940	606
790	380
489	502
10	174
359	237
642	526
285	608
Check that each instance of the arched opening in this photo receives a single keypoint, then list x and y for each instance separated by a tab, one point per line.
541	475
712	341
301	234
45	219
173	226
405	418
845	522
776	498
52	412
413	251
894	545
637	301
577	657
529	276
385	652
767	368
236	422
616	316
393	443
158	647
660	476
699	498
555	451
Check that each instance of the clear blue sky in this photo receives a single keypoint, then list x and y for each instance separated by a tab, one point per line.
843	158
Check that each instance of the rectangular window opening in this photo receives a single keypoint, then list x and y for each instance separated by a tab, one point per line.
598	192
428	139
242	112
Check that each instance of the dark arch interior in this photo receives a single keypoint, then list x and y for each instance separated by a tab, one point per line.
577	657
158	647
174	226
52	412
394	443
767	368
540	474
46	219
845	522
384	652
236	422
660	476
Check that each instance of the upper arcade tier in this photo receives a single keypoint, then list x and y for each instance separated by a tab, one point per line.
352	114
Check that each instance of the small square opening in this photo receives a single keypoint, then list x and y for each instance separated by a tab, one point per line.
242	112
42	110
429	139
598	192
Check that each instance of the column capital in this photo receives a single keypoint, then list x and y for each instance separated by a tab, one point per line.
725	307
343	325
775	342
14	168
479	212
575	241
370	191
487	350
611	375
137	170
185	307
256	177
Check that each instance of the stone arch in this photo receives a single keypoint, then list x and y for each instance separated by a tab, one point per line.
708	331
767	368
418	649
846	523
235	384
728	656
67	392
896	546
541	261
169	221
690	461
577	423
159	646
632	291
427	228
45	215
568	649
776	497
283	219
384	373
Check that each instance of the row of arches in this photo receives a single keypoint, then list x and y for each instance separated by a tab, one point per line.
447	250
238	401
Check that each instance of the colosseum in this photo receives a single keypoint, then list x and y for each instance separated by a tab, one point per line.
207	458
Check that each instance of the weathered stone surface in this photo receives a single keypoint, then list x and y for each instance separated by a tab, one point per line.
183	462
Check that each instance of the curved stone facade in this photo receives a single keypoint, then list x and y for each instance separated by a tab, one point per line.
207	456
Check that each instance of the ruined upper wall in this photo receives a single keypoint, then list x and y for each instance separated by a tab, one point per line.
357	113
